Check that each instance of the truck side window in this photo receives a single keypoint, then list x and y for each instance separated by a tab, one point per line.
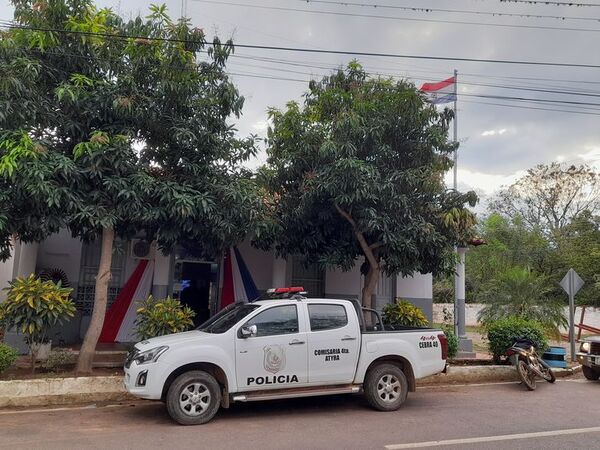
327	317
277	320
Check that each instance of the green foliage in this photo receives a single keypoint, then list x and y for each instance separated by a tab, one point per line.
33	306
448	329
443	289
519	292
83	169
509	243
578	247
8	356
133	135
452	341
503	333
164	316
60	358
403	314
357	170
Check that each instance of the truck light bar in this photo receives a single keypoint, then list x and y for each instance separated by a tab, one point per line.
286	290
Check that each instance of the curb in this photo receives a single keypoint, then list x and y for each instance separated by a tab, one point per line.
483	374
61	391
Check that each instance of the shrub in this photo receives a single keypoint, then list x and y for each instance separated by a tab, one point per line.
403	313
448	329
60	358
8	356
519	292
503	333
452	341
33	306
164	316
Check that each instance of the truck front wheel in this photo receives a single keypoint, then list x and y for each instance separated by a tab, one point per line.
590	373
193	398
385	387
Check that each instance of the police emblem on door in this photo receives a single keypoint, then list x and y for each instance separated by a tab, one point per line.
274	358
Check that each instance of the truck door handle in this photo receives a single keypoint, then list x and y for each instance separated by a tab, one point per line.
348	338
296	342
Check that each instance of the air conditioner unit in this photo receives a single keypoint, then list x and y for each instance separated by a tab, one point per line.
141	249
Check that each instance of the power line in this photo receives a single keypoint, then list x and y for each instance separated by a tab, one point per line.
408	19
532	80
550	3
314	50
567	111
425	9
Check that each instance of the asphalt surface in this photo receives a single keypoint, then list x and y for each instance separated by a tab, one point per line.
565	415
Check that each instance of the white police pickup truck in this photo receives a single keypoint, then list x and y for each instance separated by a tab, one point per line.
283	348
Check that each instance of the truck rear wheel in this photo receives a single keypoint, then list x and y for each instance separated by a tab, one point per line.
193	398
385	387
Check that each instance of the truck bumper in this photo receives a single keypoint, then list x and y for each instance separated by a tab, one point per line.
592	361
142	381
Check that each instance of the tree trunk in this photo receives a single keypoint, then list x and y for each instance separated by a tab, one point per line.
88	348
371	253
371	280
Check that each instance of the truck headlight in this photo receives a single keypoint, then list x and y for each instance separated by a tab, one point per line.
585	347
151	355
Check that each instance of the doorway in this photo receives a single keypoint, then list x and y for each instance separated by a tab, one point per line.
194	284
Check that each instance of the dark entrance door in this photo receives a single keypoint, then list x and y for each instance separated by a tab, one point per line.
196	281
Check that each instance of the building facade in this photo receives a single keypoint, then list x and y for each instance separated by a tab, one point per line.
180	274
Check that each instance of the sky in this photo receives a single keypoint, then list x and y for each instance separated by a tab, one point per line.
498	143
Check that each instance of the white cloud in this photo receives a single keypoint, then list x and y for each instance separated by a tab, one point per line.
499	132
261	126
485	183
592	154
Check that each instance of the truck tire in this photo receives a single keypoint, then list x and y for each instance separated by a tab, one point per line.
385	387
590	373
193	398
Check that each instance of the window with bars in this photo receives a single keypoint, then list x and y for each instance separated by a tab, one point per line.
90	261
311	277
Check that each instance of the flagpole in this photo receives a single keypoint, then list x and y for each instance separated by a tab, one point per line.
455	123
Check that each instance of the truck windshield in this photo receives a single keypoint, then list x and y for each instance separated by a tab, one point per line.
227	318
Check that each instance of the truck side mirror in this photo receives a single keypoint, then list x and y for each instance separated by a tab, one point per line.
248	331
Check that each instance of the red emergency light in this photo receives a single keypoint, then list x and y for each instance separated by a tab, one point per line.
286	290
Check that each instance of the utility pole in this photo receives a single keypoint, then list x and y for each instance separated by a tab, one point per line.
465	345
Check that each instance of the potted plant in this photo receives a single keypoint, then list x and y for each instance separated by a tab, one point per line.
32	307
162	316
403	314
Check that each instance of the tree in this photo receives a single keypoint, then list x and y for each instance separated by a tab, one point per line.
124	131
519	292
550	196
578	247
358	171
509	242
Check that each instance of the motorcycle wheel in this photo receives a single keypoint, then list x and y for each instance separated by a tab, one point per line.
526	375
548	375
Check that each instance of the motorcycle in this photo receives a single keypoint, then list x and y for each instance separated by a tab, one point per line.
528	364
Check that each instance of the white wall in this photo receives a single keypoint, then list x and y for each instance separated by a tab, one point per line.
339	283
417	286
61	251
6	275
259	263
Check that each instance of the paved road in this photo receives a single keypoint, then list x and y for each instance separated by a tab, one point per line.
561	416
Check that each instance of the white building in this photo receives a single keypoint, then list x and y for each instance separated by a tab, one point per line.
79	262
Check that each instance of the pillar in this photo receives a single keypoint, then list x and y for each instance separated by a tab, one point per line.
279	272
162	273
465	344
